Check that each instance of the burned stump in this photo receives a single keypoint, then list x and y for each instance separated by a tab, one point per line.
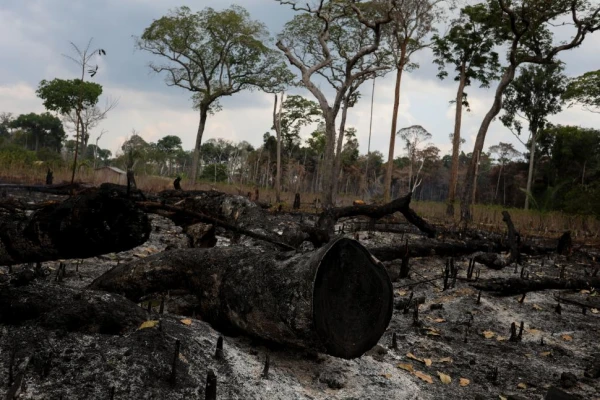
337	299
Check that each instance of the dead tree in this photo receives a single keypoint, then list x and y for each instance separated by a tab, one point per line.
337	299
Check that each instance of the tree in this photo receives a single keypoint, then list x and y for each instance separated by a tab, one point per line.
5	120
90	118
585	90
413	137
468	47
524	25
213	54
534	95
298	112
412	22
323	43
169	147
45	130
505	153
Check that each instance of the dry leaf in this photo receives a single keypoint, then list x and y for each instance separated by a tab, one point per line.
533	331
545	353
464	382
424	377
594	311
186	321
182	358
387	376
502	397
567	338
427	361
584	291
501	338
406	367
439	320
401	292
522	385
445	359
536	307
413	357
488	334
148	324
444	378
433	332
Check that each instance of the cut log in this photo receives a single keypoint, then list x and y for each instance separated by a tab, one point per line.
95	222
512	286
337	299
329	217
432	248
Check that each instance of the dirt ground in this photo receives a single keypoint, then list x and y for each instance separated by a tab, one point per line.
458	348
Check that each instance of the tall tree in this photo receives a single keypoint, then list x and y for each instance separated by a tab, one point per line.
321	44
524	24
277	126
413	137
298	112
213	54
45	130
505	152
412	23
534	95
468	47
585	90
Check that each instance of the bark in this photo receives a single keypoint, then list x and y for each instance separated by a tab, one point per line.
390	166
329	217
277	125
467	195
513	239
337	300
531	164
239	212
93	223
327	176
513	286
337	167
56	307
196	155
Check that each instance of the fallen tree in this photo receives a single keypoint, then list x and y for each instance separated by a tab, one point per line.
95	222
337	299
513	286
329	217
434	247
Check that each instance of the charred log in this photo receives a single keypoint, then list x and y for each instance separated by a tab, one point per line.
431	248
337	299
513	239
56	307
513	286
96	222
329	217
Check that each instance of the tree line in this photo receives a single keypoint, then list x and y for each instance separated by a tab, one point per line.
330	49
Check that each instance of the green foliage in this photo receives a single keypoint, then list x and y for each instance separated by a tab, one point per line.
16	155
40	130
66	95
535	94
316	142
214	173
214	53
584	90
298	112
583	200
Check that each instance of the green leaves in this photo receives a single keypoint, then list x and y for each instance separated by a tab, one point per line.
65	95
584	90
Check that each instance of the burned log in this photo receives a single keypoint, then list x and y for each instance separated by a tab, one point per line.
513	286
329	217
432	248
58	189
95	222
56	307
241	213
337	299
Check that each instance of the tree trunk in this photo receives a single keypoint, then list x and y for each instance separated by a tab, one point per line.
76	146
456	143
277	125
339	147
531	163
498	183
390	167
96	222
327	177
196	155
467	195
338	299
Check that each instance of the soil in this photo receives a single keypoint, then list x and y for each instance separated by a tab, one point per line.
454	338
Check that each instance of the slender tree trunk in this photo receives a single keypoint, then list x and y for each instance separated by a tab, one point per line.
456	143
277	125
531	162
475	178
196	155
467	197
583	173
390	165
498	184
327	175
337	168
76	146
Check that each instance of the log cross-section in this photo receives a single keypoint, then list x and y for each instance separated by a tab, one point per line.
338	299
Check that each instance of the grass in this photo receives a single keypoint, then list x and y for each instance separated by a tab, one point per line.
485	217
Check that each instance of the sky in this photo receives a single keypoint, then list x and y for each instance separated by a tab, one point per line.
35	34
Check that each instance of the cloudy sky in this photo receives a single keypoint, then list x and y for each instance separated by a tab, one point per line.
35	33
